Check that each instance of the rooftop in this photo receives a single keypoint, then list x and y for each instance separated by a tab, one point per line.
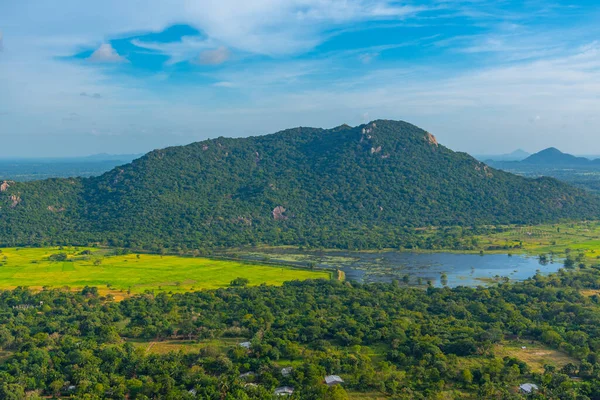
333	379
528	387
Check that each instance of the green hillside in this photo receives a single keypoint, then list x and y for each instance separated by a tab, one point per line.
302	186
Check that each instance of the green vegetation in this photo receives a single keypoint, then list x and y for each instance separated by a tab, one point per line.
132	273
303	187
550	241
384	340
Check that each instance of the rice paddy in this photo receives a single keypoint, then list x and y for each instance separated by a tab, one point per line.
77	267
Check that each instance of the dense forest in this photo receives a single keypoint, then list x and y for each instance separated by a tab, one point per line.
438	343
303	186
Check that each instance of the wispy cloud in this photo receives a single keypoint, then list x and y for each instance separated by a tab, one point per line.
185	49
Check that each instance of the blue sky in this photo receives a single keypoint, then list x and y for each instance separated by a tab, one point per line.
79	78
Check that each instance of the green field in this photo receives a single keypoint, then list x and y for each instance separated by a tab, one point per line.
546	239
135	273
536	355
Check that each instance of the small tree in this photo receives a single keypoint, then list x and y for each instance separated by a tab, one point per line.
58	257
569	262
239	282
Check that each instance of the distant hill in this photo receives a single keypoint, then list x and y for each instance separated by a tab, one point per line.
348	187
517	155
553	156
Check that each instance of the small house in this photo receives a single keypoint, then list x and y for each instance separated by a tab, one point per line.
245	345
528	388
286	371
284	391
333	380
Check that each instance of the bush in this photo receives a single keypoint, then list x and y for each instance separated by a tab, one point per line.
239	282
58	257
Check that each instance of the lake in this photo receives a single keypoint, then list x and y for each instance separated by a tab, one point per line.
459	269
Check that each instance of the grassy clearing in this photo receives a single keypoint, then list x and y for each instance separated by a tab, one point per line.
135	273
547	239
186	346
535	355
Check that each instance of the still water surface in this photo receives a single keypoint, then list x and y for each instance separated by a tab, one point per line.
459	269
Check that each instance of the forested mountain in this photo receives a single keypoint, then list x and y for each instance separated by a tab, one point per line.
301	186
553	156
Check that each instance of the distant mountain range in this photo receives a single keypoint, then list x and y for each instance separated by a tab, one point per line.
517	155
553	156
547	158
582	172
302	186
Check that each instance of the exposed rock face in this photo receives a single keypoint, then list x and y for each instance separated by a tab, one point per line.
487	171
431	139
56	209
15	200
485	168
4	186
278	213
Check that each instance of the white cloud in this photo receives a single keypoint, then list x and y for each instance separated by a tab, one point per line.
279	27
185	49
488	105
213	57
106	54
273	27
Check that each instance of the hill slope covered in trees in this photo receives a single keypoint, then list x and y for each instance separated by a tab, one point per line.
553	156
302	186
